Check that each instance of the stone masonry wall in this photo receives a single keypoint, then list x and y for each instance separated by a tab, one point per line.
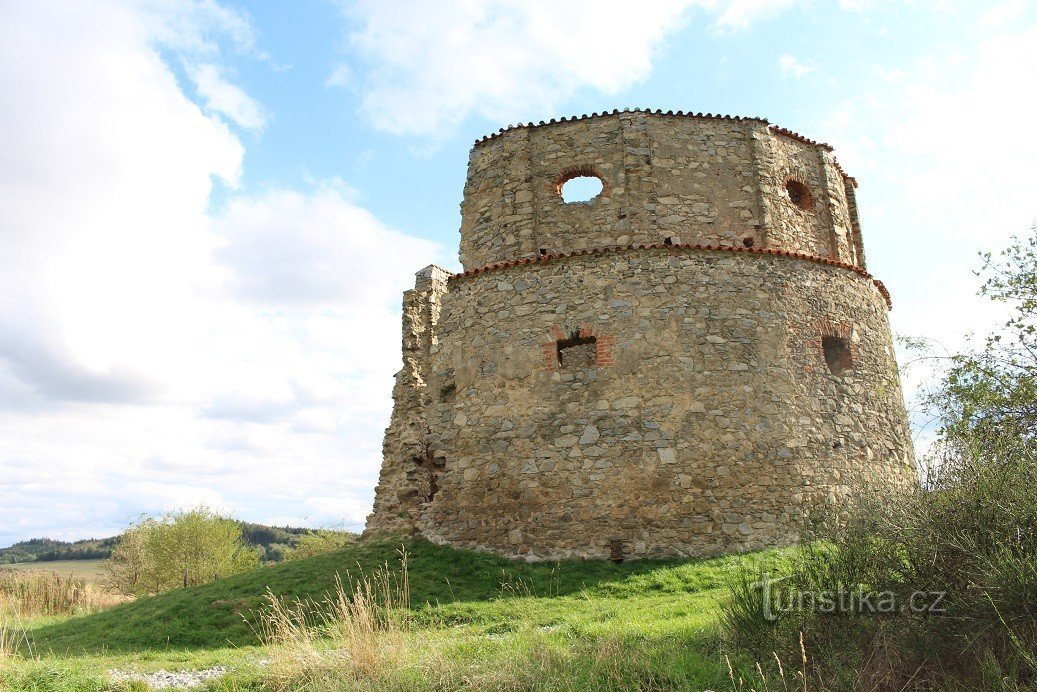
409	467
713	424
690	363
697	180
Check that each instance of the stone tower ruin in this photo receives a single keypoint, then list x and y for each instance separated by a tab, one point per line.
686	364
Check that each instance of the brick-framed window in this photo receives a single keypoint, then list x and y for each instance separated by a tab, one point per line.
825	346
834	343
578	349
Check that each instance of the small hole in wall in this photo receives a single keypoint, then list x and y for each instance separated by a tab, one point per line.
577	352
799	194
838	355
432	468
617	550
581	188
748	242
543	252
433	485
668	241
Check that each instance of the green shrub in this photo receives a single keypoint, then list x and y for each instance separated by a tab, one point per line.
319	542
182	548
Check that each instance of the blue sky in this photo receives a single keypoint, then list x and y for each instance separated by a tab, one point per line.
210	208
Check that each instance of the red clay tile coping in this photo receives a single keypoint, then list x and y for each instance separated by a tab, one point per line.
616	111
612	249
777	129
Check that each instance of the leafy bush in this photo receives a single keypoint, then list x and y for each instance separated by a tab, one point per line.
319	542
956	564
182	548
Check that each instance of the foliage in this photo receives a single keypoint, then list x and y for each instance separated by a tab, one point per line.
182	548
275	542
969	532
46	550
991	393
319	542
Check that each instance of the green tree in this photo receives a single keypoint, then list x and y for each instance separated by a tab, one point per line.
181	548
990	394
319	542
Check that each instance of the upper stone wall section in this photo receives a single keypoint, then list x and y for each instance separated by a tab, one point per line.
665	178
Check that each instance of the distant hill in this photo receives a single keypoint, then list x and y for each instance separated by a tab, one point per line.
48	550
274	540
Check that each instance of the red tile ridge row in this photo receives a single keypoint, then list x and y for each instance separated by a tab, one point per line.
798	137
611	249
846	176
616	111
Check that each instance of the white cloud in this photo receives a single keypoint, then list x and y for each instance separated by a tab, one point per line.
946	171
194	27
738	14
431	65
153	354
225	98
107	170
292	248
790	66
341	76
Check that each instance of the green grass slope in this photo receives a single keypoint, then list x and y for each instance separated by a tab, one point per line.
447	586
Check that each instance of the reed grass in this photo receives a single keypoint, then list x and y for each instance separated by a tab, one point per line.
355	632
39	593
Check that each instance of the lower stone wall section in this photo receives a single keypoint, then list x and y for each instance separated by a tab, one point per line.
647	403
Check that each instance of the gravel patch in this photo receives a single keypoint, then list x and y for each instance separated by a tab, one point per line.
165	679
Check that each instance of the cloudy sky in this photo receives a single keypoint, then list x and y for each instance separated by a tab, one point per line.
208	210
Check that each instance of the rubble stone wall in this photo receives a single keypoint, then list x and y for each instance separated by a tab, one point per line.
576	393
715	425
699	180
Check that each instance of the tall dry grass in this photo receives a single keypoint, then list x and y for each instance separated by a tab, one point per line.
39	593
362	638
42	593
13	639
355	632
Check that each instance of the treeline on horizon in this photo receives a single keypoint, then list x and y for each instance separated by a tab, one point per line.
273	542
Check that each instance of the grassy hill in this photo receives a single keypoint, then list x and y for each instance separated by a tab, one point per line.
446	586
476	621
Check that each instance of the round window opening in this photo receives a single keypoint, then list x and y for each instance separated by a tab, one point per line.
799	194
581	188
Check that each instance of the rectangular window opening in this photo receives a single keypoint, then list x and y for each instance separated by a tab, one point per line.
577	352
